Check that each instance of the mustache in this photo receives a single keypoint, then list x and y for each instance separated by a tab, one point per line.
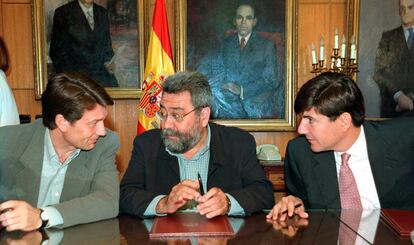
170	132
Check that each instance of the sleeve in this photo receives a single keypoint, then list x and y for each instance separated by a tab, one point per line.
102	202
383	75
60	42
293	180
134	198
109	52
256	192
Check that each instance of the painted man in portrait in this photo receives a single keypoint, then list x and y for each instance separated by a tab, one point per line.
394	65
81	41
243	73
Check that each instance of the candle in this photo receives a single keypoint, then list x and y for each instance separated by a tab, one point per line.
343	47
353	49
313	54
336	39
321	49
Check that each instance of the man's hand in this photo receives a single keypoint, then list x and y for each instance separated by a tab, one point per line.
213	203
180	194
289	227
404	103
110	67
19	215
33	237
287	203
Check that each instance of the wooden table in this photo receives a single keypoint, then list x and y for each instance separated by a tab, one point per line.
322	228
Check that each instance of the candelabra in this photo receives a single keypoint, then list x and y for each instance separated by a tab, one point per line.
340	63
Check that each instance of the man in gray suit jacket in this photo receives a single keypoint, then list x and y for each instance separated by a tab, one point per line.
381	153
60	170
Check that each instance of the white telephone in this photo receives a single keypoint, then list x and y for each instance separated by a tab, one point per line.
268	152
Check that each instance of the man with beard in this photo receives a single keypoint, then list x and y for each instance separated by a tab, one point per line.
162	174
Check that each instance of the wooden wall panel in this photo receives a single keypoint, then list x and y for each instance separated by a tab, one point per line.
316	18
17	31
126	126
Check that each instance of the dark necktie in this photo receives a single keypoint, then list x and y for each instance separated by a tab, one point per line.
348	189
410	38
242	43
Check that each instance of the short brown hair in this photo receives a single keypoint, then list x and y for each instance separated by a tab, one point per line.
70	94
332	94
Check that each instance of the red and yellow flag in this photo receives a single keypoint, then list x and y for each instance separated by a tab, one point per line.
159	65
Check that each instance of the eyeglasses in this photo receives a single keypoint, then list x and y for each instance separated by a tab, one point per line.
162	114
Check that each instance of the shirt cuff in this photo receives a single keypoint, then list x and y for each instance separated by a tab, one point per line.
55	218
397	94
150	211
235	209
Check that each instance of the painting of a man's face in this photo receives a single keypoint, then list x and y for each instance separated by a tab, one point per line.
407	12
245	20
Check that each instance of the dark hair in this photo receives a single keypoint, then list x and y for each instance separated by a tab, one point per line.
332	94
4	56
70	94
193	82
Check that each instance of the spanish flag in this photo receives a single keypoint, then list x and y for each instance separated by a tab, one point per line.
159	65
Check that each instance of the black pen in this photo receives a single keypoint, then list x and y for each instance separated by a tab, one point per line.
296	206
201	184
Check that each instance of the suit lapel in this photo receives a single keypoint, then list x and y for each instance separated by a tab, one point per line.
377	154
167	160
76	174
216	153
28	180
325	171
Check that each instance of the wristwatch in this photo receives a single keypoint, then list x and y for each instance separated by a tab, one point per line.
44	217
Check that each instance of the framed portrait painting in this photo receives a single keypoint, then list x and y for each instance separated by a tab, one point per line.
384	57
246	49
104	42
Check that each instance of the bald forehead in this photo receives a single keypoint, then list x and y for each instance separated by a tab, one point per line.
246	9
406	2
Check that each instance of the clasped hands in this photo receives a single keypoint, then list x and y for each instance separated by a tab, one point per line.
211	204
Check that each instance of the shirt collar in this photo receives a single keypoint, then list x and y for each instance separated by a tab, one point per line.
359	146
50	152
246	38
85	9
201	152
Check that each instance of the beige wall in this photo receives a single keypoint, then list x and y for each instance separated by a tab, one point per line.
316	18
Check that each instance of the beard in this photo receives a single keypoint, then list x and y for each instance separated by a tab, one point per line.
184	142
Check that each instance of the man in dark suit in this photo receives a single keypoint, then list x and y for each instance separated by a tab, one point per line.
162	174
394	66
381	156
81	41
60	170
243	73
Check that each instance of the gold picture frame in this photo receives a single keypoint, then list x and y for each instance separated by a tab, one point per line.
42	24
288	121
375	38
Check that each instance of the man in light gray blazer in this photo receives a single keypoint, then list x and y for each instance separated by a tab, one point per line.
60	170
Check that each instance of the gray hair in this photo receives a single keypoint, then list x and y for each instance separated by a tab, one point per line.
193	82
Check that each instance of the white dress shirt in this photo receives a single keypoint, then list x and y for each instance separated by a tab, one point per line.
361	168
